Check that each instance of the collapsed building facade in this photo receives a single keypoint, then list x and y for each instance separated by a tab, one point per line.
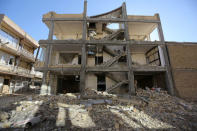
16	57
113	52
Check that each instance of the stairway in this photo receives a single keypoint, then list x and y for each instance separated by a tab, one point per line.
113	77
107	30
109	51
111	61
113	35
117	85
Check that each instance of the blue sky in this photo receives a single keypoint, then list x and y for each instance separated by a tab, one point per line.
179	17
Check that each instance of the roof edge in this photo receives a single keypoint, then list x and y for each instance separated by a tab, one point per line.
106	12
19	30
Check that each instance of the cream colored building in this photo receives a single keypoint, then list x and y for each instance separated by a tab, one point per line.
113	52
16	57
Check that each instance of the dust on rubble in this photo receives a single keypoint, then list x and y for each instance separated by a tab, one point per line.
148	110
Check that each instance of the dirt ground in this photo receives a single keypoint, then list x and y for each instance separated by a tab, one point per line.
148	110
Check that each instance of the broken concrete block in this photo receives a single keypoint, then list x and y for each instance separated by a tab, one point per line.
6	124
117	125
19	108
3	116
27	122
108	101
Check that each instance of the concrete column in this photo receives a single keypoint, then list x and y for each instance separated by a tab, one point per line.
83	69
128	54
83	52
44	87
130	73
168	74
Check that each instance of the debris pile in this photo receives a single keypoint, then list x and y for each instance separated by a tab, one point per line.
148	110
94	94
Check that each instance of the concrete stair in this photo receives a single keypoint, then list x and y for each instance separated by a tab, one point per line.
109	51
111	61
113	35
113	77
117	85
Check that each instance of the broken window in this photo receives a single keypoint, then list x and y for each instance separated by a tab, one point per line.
98	60
79	59
152	56
11	62
92	25
101	83
6	82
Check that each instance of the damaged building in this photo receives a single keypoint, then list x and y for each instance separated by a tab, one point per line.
16	57
114	52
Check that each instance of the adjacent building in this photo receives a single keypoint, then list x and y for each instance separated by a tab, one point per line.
16	57
113	52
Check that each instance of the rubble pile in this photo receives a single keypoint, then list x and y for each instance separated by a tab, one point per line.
148	110
92	93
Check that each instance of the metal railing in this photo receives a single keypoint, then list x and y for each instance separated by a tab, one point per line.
10	43
16	70
26	53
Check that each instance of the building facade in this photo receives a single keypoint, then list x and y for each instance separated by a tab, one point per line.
113	52
16	57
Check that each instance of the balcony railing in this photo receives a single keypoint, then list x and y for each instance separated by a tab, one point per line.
11	69
26	53
38	74
10	44
18	51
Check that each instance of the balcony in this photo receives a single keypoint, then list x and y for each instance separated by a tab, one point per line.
17	51
13	70
38	74
26	54
10	45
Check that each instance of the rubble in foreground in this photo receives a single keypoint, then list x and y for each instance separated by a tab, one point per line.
148	110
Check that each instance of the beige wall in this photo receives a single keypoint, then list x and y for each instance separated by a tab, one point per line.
183	59
54	58
139	58
109	82
186	83
91	61
183	56
91	81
